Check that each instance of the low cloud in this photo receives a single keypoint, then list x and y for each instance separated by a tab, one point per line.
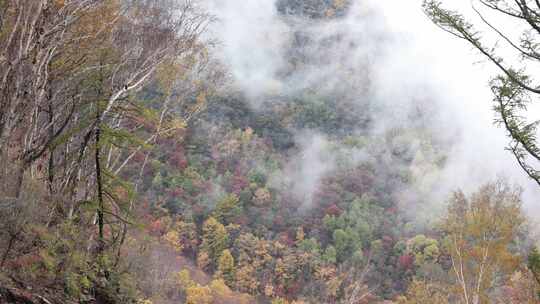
387	59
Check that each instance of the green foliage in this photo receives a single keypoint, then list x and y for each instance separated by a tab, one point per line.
330	255
310	245
213	196
534	260
258	177
279	301
533	263
226	267
214	239
227	209
344	243
353	230
424	249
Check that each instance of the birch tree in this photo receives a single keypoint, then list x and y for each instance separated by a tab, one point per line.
479	233
70	73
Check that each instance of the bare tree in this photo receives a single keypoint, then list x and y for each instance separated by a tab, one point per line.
34	34
70	72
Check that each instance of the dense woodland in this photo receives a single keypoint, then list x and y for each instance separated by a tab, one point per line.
132	170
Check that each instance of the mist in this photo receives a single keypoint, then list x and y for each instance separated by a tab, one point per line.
263	151
385	58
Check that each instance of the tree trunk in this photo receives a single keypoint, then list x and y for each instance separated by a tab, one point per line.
99	182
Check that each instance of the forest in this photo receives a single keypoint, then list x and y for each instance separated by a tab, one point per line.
263	151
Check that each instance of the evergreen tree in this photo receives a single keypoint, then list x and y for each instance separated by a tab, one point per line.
226	267
214	239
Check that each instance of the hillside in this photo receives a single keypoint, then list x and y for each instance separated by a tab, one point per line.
146	159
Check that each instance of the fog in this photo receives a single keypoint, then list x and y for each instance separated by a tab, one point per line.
390	60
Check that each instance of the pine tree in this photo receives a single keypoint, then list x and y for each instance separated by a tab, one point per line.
533	262
215	239
226	267
227	209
